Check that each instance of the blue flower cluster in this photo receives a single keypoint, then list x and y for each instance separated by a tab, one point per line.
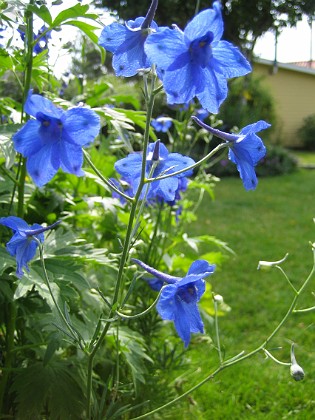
191	63
179	297
54	139
158	162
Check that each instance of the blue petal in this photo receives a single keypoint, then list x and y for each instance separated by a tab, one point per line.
25	253
113	36
182	322
179	162
128	62
82	125
253	146
256	127
195	321
37	103
207	20
43	165
166	305
71	158
130	166
201	267
180	84
214	92
27	140
165	188
230	60
14	223
245	168
165	46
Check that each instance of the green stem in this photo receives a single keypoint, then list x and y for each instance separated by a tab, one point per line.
205	158
73	334
150	97
217	332
105	180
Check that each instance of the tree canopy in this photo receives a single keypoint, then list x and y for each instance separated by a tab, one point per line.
245	21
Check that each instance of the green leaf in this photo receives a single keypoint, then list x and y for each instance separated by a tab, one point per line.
86	28
72	13
132	346
42	12
54	388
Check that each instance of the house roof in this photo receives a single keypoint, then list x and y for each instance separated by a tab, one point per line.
289	66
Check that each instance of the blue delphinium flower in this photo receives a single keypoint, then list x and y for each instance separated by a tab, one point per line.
246	149
126	42
162	124
55	138
22	245
195	62
164	163
180	296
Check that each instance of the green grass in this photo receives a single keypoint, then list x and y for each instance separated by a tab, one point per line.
260	225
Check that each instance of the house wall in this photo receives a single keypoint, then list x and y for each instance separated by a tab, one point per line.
294	95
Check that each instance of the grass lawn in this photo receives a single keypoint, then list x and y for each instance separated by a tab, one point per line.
259	225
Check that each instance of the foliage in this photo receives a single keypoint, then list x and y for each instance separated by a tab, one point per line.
306	133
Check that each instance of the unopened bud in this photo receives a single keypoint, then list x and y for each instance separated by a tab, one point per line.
218	299
296	370
267	265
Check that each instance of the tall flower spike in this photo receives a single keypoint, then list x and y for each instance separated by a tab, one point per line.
180	296
195	62
246	149
54	139
126	42
22	245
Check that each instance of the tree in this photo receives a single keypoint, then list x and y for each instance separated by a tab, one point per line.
245	21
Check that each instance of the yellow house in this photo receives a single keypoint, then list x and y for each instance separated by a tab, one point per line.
293	89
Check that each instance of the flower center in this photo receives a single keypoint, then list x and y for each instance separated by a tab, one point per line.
200	49
51	128
187	293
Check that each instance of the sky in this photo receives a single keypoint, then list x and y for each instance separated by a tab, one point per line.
294	44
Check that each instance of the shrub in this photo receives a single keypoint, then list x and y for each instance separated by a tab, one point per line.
307	133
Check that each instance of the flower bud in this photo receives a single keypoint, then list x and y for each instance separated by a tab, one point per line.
296	370
267	265
218	299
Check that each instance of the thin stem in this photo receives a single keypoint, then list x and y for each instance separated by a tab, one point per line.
286	277
205	158
62	316
145	312
217	332
105	180
275	359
